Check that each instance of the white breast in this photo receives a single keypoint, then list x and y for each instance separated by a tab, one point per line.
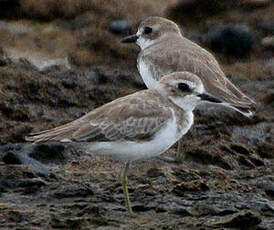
145	72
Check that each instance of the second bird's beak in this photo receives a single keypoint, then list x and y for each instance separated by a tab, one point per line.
209	98
130	39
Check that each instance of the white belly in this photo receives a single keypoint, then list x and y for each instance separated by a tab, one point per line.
131	151
146	74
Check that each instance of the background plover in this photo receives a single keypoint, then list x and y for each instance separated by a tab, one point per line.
138	126
165	50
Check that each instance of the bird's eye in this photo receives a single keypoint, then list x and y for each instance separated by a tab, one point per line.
183	87
147	30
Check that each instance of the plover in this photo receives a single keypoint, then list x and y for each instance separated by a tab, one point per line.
164	50
138	126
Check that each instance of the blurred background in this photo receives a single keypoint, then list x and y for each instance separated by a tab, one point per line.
60	59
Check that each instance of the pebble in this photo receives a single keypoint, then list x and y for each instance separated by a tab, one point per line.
232	40
120	27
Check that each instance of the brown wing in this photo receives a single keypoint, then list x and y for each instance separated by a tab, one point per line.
135	117
184	55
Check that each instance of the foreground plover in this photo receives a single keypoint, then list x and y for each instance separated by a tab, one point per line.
165	50
141	125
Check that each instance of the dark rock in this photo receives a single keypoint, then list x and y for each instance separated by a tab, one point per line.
192	186
19	155
254	4
154	172
31	186
120	27
31	182
266	27
73	191
3	62
266	150
205	157
17	217
232	40
246	162
184	175
13	158
270	191
242	220
256	161
239	149
49	152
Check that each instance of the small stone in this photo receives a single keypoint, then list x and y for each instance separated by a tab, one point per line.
120	27
232	40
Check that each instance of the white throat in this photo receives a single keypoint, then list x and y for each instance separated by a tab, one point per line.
187	103
144	43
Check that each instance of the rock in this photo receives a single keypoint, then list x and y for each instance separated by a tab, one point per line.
252	4
30	186
18	154
73	191
266	150
155	172
120	27
203	156
239	149
49	153
268	42
192	186
246	162
232	40
242	219
184	175
31	182
17	217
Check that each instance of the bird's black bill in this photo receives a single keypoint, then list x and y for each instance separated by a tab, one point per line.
130	39
210	98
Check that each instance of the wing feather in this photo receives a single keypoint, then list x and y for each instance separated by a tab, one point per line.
135	117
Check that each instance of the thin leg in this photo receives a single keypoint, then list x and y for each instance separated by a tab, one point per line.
125	188
180	153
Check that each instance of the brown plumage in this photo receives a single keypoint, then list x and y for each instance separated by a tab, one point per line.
135	117
165	50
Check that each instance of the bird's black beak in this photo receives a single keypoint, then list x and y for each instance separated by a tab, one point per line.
209	98
130	39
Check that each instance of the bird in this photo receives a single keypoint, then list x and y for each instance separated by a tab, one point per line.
165	50
138	126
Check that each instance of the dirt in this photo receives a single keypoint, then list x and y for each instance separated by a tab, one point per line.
56	66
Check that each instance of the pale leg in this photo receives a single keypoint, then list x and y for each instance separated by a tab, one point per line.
125	188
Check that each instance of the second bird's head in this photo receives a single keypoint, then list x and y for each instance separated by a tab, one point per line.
152	30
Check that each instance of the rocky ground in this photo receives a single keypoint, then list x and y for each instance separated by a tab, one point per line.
56	65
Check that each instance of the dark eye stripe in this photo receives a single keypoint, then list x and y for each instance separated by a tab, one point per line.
147	30
183	87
